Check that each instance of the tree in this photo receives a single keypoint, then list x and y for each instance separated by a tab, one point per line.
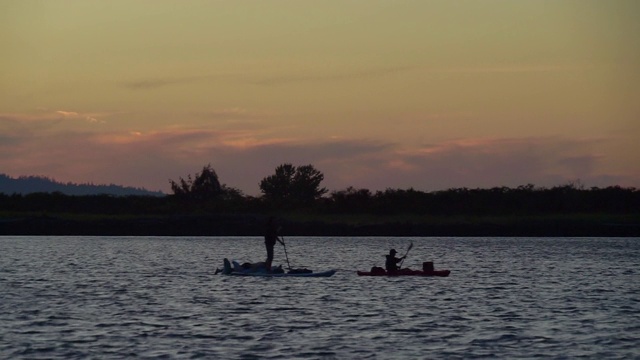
306	184
295	184
351	200
205	186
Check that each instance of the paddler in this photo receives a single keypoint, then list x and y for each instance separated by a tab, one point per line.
391	265
270	238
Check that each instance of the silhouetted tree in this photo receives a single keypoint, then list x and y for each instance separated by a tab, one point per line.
204	186
351	200
293	184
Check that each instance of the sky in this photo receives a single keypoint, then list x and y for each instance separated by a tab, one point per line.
424	94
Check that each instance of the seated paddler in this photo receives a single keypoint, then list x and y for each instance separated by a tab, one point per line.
391	265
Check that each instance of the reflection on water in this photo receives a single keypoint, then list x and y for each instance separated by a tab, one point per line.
146	297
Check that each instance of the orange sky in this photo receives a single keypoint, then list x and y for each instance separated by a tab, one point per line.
375	94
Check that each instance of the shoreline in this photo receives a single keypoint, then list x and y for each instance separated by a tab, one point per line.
252	225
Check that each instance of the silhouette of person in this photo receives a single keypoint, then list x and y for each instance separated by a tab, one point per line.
391	265
270	238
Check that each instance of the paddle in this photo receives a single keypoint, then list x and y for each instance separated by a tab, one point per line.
285	252
405	254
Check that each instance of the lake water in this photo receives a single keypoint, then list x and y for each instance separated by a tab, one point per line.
157	297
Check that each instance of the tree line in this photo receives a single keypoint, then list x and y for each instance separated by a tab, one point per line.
299	188
35	184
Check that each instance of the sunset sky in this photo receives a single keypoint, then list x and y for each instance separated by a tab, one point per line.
375	94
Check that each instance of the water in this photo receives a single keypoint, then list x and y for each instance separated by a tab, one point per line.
156	297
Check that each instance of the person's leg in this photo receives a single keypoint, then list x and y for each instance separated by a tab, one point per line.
269	257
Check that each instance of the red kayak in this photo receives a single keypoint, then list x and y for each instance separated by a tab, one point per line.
442	273
427	270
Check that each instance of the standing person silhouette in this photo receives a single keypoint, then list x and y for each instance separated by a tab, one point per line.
270	238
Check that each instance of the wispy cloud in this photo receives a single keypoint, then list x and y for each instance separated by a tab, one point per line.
322	77
159	82
46	115
166	81
25	118
515	68
315	75
504	161
93	118
310	76
243	157
236	117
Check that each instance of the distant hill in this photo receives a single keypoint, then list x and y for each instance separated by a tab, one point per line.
40	184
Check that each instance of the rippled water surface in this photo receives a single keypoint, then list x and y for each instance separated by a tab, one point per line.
154	297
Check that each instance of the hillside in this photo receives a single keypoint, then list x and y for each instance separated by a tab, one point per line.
40	184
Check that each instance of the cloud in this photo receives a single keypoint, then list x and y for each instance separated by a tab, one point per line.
67	113
45	115
235	117
92	118
157	83
306	77
22	118
313	75
166	81
501	162
242	157
515	68
227	113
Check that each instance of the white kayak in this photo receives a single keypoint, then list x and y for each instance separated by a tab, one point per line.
286	274
238	270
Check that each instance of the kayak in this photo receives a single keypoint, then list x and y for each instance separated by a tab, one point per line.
427	270
442	273
327	273
276	271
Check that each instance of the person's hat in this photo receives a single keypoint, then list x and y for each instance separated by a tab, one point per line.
393	251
